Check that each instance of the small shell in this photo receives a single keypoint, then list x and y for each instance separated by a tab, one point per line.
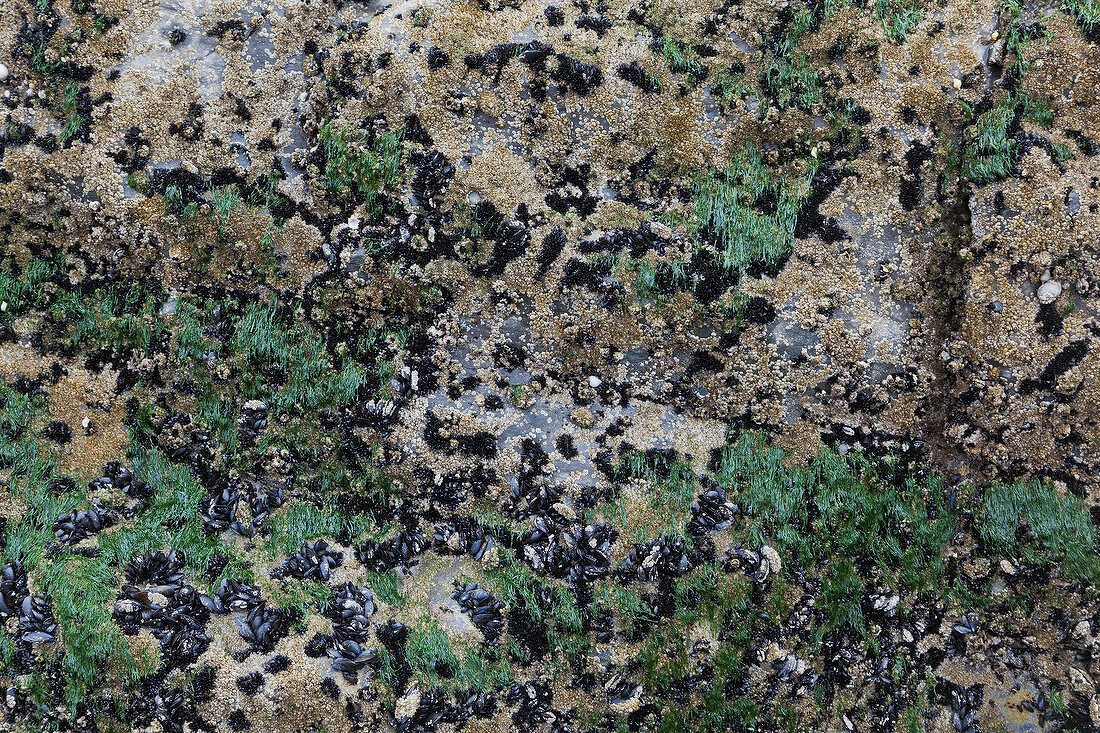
1049	291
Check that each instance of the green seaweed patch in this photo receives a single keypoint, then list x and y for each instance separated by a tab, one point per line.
354	163
1030	520
747	210
838	512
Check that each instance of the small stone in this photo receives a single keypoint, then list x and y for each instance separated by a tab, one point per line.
957	83
408	703
4	73
4	307
85	423
1083	629
594	382
565	510
628	705
772	556
1007	568
1049	291
660	229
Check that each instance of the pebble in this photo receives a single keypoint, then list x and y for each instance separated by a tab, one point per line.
1007	568
1049	291
957	83
3	73
85	423
594	382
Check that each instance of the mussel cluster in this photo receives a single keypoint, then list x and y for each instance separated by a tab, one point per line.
351	610
79	525
485	611
758	564
575	552
13	588
117	476
388	554
314	561
252	421
37	624
157	597
666	556
462	536
711	510
225	498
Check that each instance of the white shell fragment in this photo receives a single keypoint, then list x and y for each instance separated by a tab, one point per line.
1049	291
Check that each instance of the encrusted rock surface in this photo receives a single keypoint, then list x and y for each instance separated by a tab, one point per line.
497	364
